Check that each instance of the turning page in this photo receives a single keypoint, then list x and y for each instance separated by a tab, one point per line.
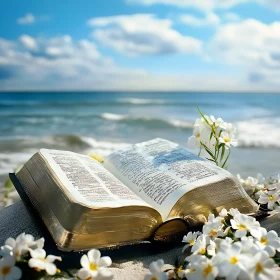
88	181
161	172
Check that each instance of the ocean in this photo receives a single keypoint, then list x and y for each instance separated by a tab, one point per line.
101	122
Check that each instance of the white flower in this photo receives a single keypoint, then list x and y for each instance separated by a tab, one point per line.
212	248
228	140
263	268
200	133
248	245
213	121
268	241
270	198
213	229
231	262
200	245
39	261
202	268
243	224
189	273
156	273
223	213
7	269
253	185
219	243
21	245
228	127
95	266
233	211
189	239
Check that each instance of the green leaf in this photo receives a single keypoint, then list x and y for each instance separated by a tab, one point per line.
211	159
211	135
208	150
223	152
226	159
199	151
202	115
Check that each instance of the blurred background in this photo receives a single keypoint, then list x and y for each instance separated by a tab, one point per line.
94	76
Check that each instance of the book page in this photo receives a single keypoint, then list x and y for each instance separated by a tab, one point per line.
161	172
88	181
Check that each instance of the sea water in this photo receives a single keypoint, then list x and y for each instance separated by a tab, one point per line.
101	122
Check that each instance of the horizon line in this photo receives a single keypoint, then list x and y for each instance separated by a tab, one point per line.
139	91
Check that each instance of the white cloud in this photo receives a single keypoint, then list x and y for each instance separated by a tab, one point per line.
57	63
204	5
210	19
142	34
78	65
251	44
27	19
28	42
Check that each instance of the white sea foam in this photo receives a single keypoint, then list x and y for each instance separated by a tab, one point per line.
103	148
263	132
141	101
11	161
180	123
114	117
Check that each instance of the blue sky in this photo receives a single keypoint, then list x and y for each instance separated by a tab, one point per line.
215	45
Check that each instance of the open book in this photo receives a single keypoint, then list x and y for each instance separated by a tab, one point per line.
151	189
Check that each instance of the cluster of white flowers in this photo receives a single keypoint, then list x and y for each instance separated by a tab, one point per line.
264	191
21	249
94	267
214	136
232	246
28	253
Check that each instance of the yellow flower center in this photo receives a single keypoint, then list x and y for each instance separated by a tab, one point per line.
213	232
259	268
227	140
241	227
207	270
202	251
271	197
234	260
6	270
264	241
191	242
197	135
93	266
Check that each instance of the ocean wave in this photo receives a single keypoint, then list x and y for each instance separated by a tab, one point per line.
147	121
139	101
262	132
114	117
9	161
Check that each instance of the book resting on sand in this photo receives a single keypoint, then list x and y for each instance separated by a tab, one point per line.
154	189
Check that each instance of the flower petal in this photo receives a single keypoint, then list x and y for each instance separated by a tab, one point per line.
84	261
155	267
16	272
50	268
11	242
104	261
84	274
94	255
35	263
7	261
37	253
52	258
104	274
